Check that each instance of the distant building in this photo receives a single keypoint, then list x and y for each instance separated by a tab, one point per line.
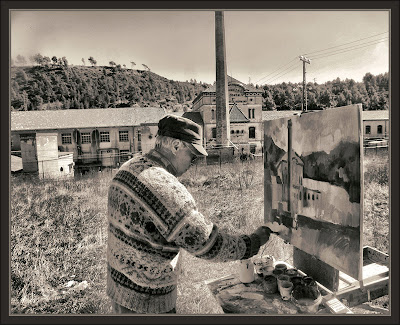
375	124
86	138
245	108
82	139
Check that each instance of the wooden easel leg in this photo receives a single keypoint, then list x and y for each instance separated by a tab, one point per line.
318	270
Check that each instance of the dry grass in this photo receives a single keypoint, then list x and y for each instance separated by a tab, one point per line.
58	234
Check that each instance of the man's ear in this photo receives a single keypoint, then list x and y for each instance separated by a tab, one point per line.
176	143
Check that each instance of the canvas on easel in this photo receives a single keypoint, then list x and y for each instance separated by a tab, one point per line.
313	184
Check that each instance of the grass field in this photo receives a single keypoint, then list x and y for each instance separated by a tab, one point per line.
59	234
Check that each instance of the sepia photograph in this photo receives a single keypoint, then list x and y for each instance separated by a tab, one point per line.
211	161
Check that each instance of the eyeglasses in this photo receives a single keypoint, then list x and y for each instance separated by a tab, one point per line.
194	156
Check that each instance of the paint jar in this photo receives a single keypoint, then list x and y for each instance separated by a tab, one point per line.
281	266
307	280
285	289
297	280
291	272
281	278
263	261
269	284
246	271
267	270
277	273
307	305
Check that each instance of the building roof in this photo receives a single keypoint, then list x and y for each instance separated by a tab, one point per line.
195	117
84	118
231	80
272	115
236	115
375	115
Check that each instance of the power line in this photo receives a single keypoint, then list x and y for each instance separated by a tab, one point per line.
276	70
297	66
345	44
280	73
357	48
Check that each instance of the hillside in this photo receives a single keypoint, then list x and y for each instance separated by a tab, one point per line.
63	86
66	87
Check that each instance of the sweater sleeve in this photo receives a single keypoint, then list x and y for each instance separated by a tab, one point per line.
177	218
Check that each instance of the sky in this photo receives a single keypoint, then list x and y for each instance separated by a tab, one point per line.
319	131
262	46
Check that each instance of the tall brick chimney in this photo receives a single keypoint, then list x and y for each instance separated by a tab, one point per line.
222	99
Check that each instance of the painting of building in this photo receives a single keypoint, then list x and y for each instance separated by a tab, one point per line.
313	178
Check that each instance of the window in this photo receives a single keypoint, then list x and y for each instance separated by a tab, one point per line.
252	132
124	155
368	129
252	112
85	137
249	113
104	136
253	148
212	114
214	133
139	140
66	138
379	129
232	131
123	136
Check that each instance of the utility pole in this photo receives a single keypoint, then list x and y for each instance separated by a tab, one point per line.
304	99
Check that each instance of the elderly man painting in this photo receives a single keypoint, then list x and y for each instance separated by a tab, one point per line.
152	216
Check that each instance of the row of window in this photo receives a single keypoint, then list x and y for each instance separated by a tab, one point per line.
368	129
252	132
66	138
307	196
251	113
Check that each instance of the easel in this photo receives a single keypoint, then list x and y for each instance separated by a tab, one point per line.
342	290
340	287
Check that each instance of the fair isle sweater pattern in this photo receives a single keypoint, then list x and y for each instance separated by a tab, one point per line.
151	216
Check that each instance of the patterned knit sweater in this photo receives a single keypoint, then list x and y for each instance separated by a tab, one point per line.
151	216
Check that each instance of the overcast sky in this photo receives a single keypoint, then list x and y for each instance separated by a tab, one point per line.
262	45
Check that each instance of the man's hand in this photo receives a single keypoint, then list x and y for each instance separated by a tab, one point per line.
264	233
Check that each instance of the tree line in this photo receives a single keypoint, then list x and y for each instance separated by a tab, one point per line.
51	83
59	86
372	92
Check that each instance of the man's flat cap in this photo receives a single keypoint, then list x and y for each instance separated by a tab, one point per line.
184	129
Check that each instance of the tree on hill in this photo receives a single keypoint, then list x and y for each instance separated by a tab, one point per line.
112	63
83	61
148	69
92	61
20	60
37	58
132	64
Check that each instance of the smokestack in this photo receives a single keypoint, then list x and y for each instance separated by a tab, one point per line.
222	101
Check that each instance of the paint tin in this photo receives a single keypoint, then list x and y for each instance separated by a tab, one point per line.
307	305
281	266
262	262
285	289
277	273
270	284
291	272
297	280
267	270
